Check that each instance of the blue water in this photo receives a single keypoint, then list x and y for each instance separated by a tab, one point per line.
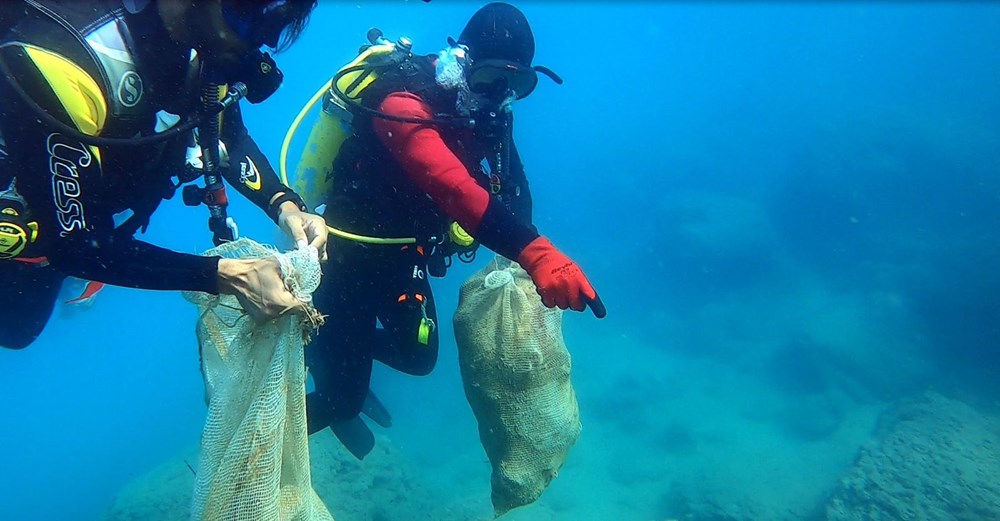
791	211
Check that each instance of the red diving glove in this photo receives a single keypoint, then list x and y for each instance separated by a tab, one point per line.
559	280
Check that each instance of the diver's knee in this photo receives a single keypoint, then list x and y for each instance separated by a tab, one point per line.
424	365
16	344
423	370
427	360
17	340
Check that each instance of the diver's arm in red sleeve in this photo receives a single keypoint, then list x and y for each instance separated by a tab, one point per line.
436	170
429	162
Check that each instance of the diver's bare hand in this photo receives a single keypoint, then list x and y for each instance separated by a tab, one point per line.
258	286
304	228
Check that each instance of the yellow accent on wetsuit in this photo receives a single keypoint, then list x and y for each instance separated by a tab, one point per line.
78	93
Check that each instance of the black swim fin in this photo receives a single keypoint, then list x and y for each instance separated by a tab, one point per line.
356	437
374	409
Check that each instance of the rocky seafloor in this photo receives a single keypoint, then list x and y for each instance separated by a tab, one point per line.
929	458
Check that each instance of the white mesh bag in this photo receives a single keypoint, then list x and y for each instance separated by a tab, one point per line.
516	374
254	460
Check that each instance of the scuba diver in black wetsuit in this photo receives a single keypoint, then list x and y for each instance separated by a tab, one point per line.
97	112
431	155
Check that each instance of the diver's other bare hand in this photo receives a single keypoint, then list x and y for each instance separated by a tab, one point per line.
258	286
304	228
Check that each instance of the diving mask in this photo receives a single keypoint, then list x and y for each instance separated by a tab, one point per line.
496	78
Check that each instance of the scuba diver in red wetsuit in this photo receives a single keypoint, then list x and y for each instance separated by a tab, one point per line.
431	154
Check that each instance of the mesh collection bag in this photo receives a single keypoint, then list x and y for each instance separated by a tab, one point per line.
516	374
254	460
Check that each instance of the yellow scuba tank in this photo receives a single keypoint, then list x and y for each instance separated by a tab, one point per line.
313	177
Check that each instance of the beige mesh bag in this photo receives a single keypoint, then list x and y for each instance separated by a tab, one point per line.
254	461
516	373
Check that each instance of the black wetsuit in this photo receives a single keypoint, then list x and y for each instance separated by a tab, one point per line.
115	74
365	283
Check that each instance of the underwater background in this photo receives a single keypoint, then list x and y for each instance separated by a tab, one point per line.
791	210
